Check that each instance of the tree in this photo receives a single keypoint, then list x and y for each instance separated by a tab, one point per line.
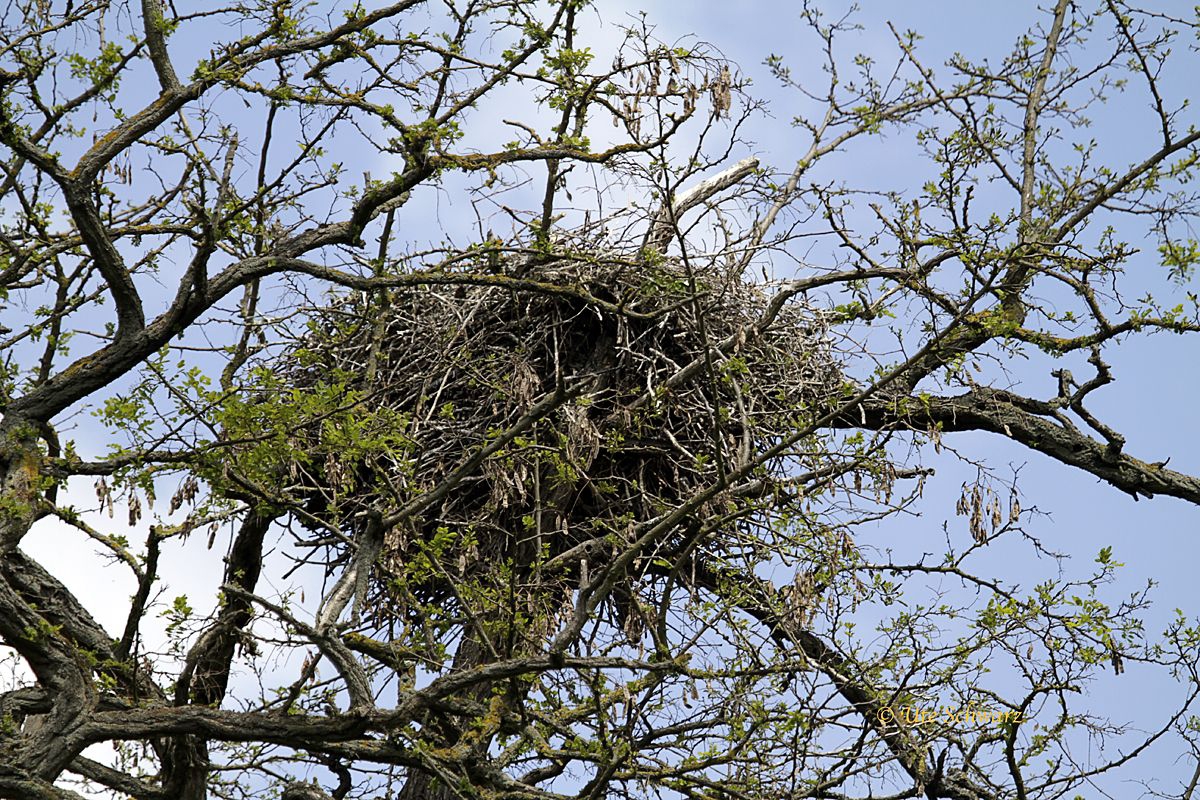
572	509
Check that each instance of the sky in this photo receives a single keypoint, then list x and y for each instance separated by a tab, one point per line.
1151	401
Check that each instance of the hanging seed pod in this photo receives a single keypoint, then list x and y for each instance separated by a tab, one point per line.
135	509
454	363
721	93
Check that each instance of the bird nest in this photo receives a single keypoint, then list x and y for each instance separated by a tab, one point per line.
531	417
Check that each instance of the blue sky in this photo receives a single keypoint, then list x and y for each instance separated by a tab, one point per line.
1151	401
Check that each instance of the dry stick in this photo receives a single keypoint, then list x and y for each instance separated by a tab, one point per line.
600	587
358	685
664	226
342	592
352	580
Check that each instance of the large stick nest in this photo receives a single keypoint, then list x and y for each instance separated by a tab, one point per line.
665	378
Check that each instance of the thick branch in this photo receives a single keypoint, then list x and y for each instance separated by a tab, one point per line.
51	742
155	29
759	599
1031	423
665	221
130	316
